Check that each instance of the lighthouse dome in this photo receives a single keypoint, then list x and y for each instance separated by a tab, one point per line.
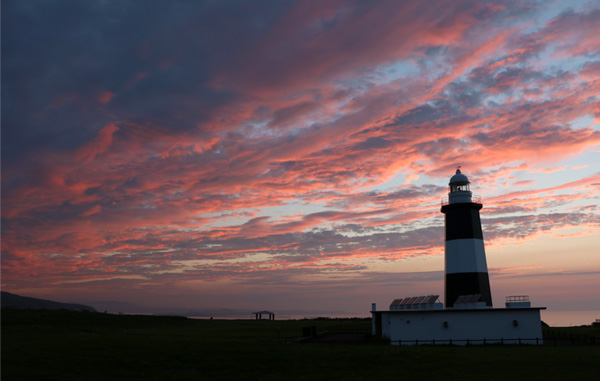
459	179
459	188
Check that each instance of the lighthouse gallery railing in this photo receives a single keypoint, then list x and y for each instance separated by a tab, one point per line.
474	198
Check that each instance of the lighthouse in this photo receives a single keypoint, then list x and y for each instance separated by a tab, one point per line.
468	316
466	270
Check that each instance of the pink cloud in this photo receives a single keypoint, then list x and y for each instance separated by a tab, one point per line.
548	170
105	96
99	145
93	210
580	166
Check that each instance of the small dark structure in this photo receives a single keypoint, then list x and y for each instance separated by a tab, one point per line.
310	331
258	315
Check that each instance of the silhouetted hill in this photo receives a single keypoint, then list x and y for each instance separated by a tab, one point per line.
23	302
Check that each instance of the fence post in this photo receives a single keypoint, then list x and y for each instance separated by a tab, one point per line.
451	341
417	342
519	341
484	341
467	341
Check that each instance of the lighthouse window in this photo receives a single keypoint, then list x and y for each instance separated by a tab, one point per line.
456	188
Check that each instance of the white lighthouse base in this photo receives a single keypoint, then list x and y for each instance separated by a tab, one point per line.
460	326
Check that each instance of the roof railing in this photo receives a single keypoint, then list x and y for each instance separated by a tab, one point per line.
517	298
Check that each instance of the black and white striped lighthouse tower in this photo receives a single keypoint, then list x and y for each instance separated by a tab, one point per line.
466	267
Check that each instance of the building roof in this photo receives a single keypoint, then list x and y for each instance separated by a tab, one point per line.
457	310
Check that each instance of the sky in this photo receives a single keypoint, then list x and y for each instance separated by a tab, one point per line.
292	155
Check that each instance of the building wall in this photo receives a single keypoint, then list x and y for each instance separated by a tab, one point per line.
493	325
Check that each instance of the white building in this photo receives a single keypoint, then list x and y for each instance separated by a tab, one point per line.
473	323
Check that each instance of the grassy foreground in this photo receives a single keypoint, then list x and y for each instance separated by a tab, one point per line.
64	345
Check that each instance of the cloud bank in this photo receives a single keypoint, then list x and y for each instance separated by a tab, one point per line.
290	144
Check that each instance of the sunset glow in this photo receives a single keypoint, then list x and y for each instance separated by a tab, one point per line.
292	155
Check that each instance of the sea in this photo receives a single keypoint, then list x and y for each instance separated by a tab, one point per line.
569	318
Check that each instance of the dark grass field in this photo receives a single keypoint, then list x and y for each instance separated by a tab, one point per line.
64	345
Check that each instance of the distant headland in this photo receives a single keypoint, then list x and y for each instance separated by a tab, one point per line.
23	302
